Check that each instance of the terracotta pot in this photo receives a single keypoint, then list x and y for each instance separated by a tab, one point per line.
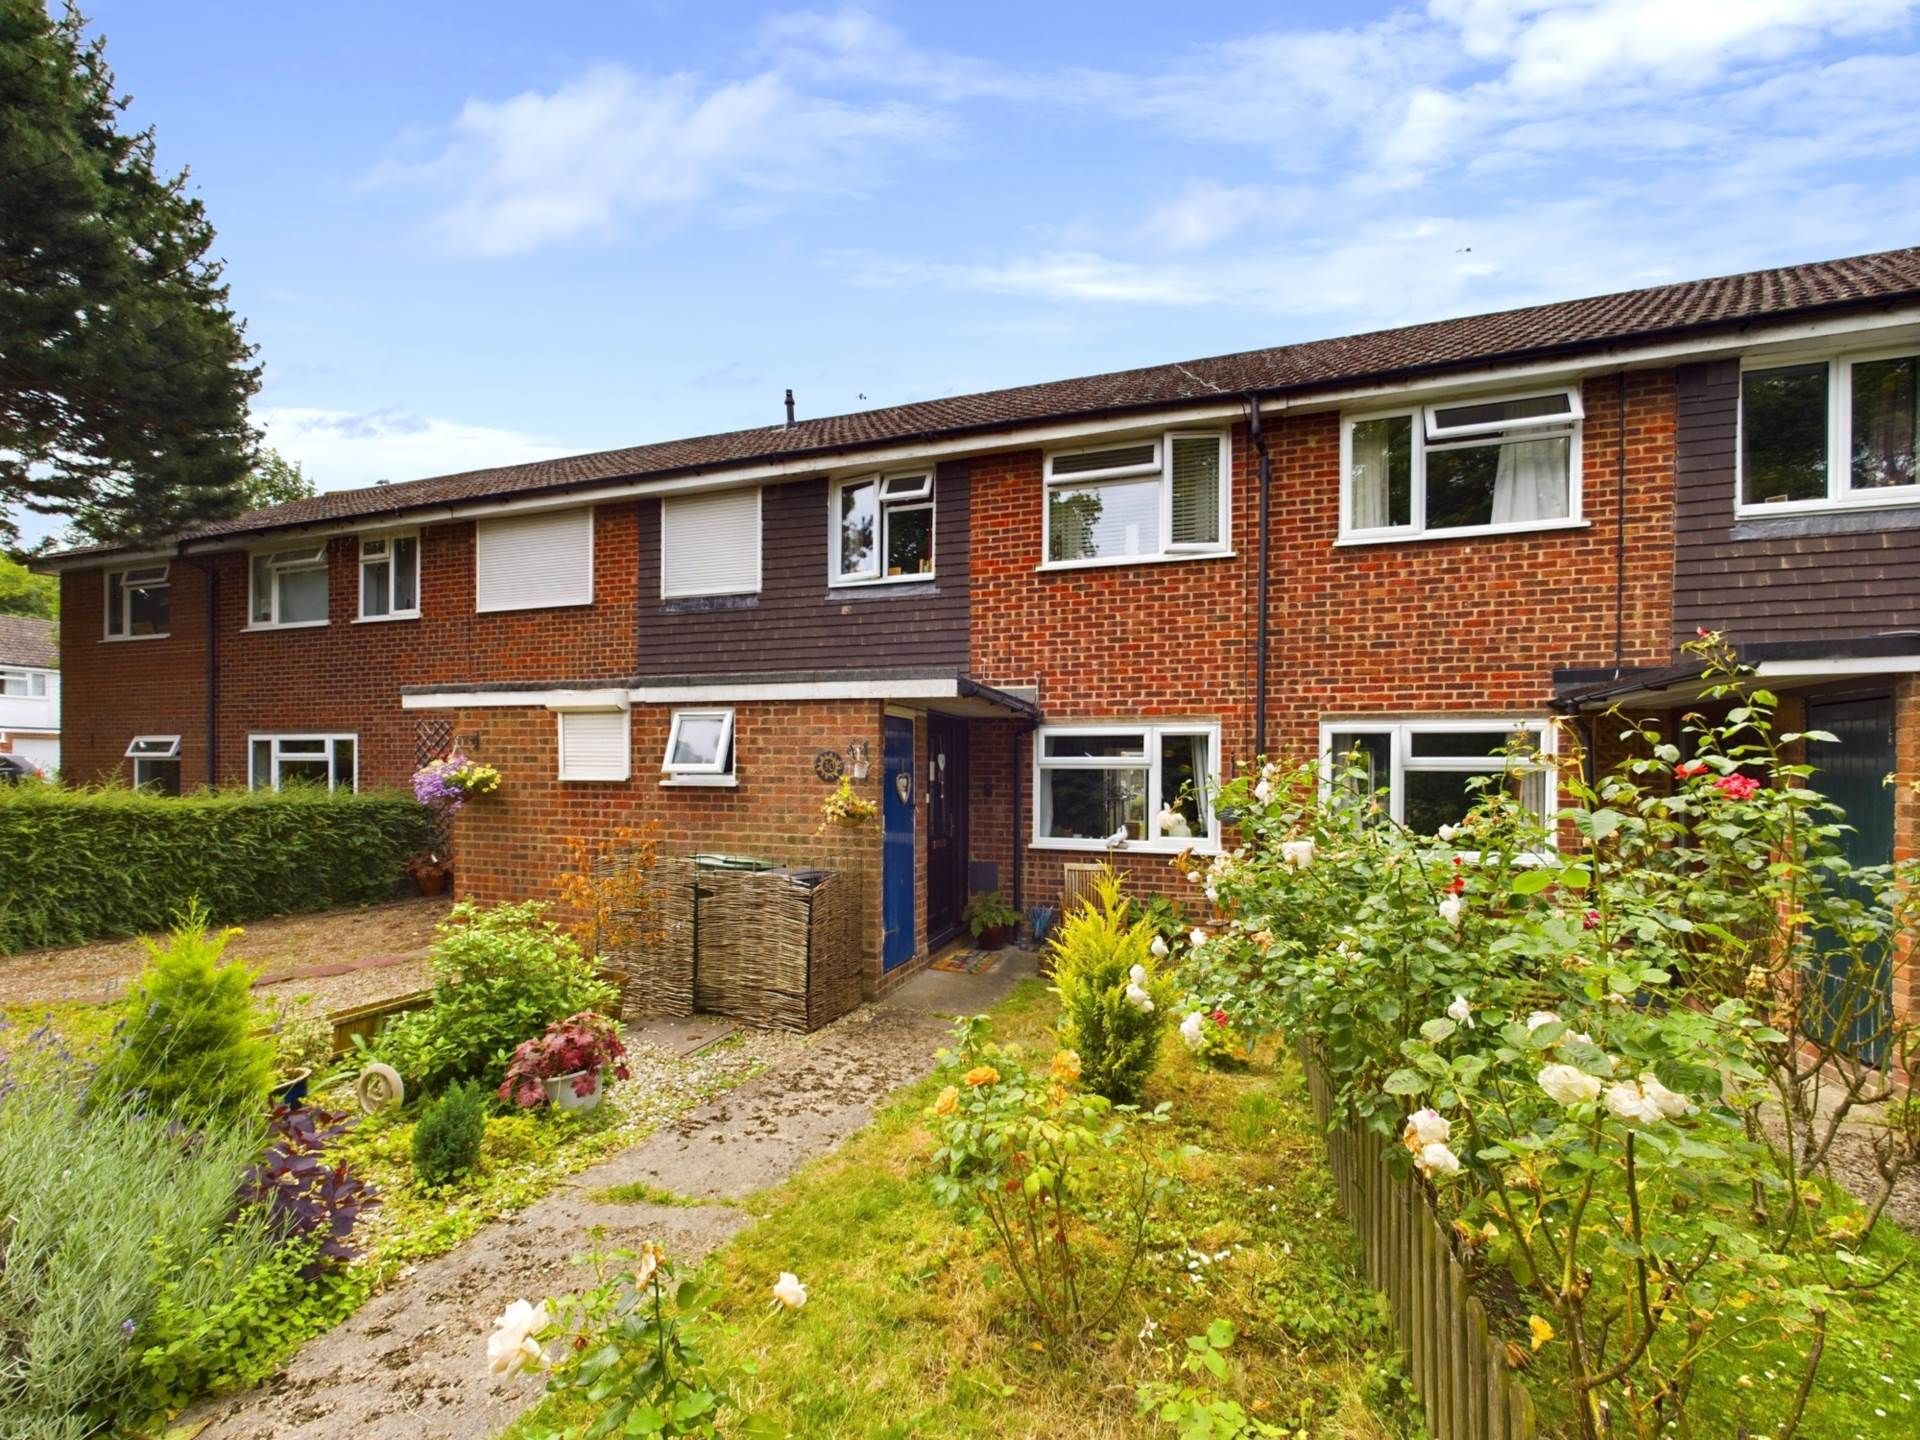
432	882
560	1092
995	937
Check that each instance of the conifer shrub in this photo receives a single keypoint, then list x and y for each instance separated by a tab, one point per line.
447	1139
1114	1001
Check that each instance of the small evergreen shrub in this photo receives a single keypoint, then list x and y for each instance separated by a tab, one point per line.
187	1049
87	864
500	976
1113	1000
446	1142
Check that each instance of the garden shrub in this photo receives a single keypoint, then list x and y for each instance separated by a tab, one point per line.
112	1219
187	1047
1113	1000
500	976
87	864
311	1201
447	1139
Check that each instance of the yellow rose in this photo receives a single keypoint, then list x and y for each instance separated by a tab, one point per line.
948	1102
981	1075
1065	1067
1542	1332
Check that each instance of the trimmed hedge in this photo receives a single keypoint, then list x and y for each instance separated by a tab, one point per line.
80	865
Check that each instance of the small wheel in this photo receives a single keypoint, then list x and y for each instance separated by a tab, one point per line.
380	1087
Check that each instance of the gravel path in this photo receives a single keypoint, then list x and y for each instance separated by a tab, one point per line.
410	1364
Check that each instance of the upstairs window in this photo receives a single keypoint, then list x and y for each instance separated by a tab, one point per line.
390	577
1147	784
533	562
699	748
156	763
276	761
882	528
290	586
23	684
1470	466
1839	430
1423	771
138	603
1161	498
710	544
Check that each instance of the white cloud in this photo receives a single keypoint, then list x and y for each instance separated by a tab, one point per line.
1048	275
615	146
343	449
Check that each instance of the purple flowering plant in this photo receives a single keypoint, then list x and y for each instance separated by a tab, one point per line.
445	785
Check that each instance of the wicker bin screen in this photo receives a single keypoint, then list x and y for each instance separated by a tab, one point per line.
770	947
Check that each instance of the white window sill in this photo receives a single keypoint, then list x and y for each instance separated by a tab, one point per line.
1895	498
286	625
862	582
700	782
1199	845
479	609
123	639
1103	563
384	619
1463	532
595	779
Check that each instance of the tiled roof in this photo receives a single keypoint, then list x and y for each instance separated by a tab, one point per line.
26	640
1563	328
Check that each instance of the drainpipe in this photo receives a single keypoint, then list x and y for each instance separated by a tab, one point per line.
1620	528
1260	582
1015	829
208	569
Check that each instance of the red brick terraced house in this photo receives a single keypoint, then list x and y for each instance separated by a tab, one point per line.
1029	621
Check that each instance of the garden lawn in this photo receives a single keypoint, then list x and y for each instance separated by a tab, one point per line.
912	1327
83	1027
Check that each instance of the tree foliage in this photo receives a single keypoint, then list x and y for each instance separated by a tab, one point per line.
124	373
24	593
275	480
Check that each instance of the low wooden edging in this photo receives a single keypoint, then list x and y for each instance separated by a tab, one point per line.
1458	1366
366	1020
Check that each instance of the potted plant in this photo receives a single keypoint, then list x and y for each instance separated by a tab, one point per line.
991	919
430	871
845	807
567	1066
302	1035
446	785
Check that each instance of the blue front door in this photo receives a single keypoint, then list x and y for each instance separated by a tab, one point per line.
896	870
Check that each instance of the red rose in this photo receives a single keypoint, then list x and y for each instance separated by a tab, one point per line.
1591	920
1219	1017
1457	886
1737	787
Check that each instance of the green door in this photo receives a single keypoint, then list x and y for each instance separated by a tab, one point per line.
1853	775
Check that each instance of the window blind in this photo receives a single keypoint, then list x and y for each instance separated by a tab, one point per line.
529	562
594	745
710	544
1196	490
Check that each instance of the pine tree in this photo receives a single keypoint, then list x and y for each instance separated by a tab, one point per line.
124	374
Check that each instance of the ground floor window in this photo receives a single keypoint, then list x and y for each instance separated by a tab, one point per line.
156	763
1423	770
280	760
1149	785
699	748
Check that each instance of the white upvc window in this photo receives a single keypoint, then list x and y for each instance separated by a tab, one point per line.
289	587
1476	465
595	744
138	603
1422	770
1827	431
880	528
699	748
1142	787
1160	497
23	683
156	763
710	544
275	761
533	562
390	577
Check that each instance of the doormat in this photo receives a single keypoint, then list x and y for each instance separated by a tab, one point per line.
967	961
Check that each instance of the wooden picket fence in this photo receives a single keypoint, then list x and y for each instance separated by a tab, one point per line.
1459	1367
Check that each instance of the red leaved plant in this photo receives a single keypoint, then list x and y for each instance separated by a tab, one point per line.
585	1043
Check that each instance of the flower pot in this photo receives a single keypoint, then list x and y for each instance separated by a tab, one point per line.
562	1095
292	1090
994	937
432	882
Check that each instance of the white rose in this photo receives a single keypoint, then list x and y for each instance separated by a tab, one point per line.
1193	877
1451	910
1138	974
1428	1127
1672	1105
1263	792
1568	1084
1460	1012
1437	1159
1159	947
1193	1030
1139	999
1539	1018
1633	1105
1446	832
1297	853
788	1291
511	1346
1197	938
1174	825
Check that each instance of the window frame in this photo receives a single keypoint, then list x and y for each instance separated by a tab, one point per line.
276	568
274	760
1840	492
1162	467
1151	733
165	582
31	676
152	750
1420	417
926	500
561	772
724	771
1400	733
389	538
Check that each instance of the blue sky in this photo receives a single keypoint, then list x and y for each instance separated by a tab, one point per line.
469	234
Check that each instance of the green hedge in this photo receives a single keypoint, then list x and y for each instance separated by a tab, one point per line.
80	865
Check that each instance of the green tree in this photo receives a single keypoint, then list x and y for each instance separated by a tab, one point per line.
275	481
24	593
124	374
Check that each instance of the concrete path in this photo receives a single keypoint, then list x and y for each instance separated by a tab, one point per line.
410	1364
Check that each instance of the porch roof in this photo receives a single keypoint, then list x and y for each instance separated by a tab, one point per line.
1783	664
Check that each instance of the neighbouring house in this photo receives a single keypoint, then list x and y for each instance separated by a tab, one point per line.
30	691
1028	621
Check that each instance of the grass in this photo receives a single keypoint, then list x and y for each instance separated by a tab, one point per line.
83	1026
913	1328
639	1192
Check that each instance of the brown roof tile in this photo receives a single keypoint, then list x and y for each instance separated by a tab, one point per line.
28	640
1537	330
